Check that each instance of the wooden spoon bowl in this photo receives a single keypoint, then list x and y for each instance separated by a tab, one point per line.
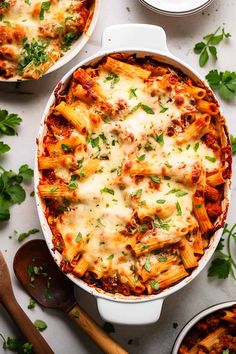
36	270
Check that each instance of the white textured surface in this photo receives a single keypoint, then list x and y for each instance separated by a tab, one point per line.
29	101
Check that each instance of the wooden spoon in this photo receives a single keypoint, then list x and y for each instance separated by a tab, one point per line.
52	289
8	300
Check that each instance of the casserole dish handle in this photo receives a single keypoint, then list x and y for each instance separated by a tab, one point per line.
134	36
130	313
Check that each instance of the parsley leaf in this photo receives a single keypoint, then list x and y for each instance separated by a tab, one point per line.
113	78
8	122
132	93
147	265
22	236
33	54
220	268
159	139
208	47
68	39
4	148
224	82
40	325
107	190
17	345
44	7
11	191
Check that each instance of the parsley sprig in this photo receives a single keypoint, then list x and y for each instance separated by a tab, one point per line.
224	264
33	54
224	82
233	143
17	345
8	122
209	46
11	191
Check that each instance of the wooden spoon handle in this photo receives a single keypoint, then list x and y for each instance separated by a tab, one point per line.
96	333
26	326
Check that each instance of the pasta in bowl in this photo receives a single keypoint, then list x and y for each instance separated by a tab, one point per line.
40	36
133	166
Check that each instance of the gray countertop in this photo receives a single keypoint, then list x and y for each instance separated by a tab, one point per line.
29	101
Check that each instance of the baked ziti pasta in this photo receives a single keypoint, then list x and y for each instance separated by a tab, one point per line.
133	167
215	334
35	34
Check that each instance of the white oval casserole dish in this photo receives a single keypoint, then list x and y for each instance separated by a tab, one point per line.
196	319
142	40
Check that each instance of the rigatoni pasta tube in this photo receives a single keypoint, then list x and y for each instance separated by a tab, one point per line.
187	254
207	107
200	212
63	144
47	162
171	276
88	168
194	130
53	191
212	339
217	178
77	117
81	267
117	66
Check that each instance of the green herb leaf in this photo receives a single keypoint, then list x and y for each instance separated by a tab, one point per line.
147	265
44	7
160	139
26	173
68	39
9	122
113	78
4	148
220	268
181	193
107	190
94	142
66	147
40	325
160	201
147	109
156	179
33	54
138	193
196	146
163	109
210	158
203	57
17	345
132	93
224	82
154	285
78	237
22	236
141	158
178	208
110	257
76	314
32	304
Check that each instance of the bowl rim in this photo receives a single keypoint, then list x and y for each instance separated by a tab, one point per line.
169	7
75	49
97	292
195	319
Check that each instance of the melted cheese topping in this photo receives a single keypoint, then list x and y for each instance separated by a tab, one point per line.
54	24
117	208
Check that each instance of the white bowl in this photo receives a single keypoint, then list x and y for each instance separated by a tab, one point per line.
175	8
143	40
197	318
75	48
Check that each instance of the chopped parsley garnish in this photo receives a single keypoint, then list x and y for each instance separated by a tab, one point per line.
198	206
160	224
159	139
196	146
173	191
138	193
132	93
17	345
113	78
181	193
76	314
154	285
147	265
178	208
107	190
31	304
67	148
22	236
44	7
68	39
141	158
163	109
40	325
110	257
94	142
210	158
4	5
78	237
144	107
33	54
188	146
53	189
73	185
160	201
156	179
168	164
162	259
